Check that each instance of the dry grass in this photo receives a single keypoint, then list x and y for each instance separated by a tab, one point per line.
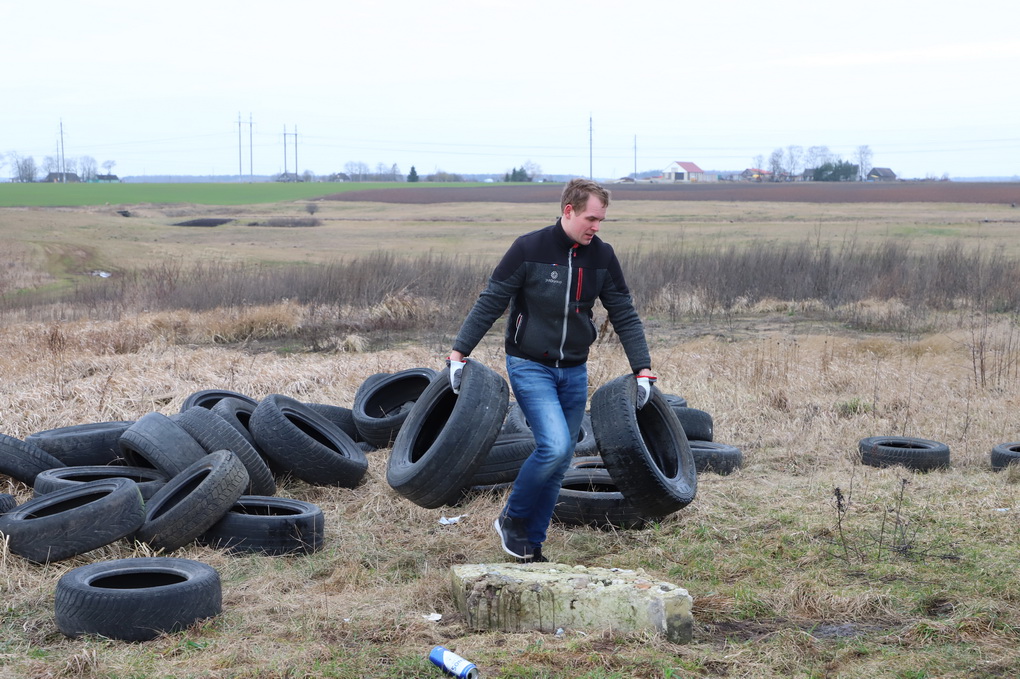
758	549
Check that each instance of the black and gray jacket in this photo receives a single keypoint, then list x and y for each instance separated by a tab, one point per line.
551	284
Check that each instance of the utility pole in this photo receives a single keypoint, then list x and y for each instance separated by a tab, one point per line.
251	164
285	152
285	135
239	168
63	163
635	157
590	173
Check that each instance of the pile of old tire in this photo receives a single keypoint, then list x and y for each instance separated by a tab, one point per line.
1005	454
913	453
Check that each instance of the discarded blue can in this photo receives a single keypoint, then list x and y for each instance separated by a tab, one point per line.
453	664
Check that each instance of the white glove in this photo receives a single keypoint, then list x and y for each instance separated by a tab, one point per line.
644	390
455	373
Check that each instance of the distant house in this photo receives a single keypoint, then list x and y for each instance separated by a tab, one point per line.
754	174
881	174
106	179
62	178
678	171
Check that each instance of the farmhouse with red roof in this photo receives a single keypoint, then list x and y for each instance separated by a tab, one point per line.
679	171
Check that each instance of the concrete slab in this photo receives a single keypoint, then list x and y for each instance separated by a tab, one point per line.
515	597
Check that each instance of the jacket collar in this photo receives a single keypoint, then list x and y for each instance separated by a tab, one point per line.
562	239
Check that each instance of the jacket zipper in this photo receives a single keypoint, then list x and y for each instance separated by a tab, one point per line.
566	302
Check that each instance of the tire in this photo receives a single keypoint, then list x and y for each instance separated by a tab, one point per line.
697	424
191	502
383	406
516	422
446	436
75	520
214	433
588	462
589	497
157	441
1004	455
367	384
136	599
7	503
149	480
716	457
306	444
82	445
675	401
273	526
207	398
913	453
341	417
23	461
237	414
504	459
646	450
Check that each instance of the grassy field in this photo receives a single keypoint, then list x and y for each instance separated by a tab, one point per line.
78	194
912	576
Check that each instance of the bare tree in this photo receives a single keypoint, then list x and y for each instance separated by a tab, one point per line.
395	173
51	164
776	164
759	162
356	170
108	166
88	168
863	161
817	156
533	170
24	167
793	155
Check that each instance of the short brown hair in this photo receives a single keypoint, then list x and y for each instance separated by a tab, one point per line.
577	191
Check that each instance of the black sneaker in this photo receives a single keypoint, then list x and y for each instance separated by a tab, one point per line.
512	536
536	556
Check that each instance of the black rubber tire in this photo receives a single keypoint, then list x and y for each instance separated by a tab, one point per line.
72	521
157	441
341	417
82	445
367	384
504	459
306	444
1004	455
588	462
136	599
913	453
191	502
273	526
207	398
697	424
715	457
446	436
590	497
7	502
383	406
237	414
214	433
516	422
23	461
149	480
675	401
646	450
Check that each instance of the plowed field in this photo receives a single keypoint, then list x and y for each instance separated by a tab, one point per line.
799	192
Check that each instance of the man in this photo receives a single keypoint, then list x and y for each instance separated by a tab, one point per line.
551	278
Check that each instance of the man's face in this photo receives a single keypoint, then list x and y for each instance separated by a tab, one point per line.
582	225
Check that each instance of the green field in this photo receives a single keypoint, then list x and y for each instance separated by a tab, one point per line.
69	195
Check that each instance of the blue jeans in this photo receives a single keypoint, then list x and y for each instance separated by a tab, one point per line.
553	400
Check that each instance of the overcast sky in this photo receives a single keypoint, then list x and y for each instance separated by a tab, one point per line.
485	86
